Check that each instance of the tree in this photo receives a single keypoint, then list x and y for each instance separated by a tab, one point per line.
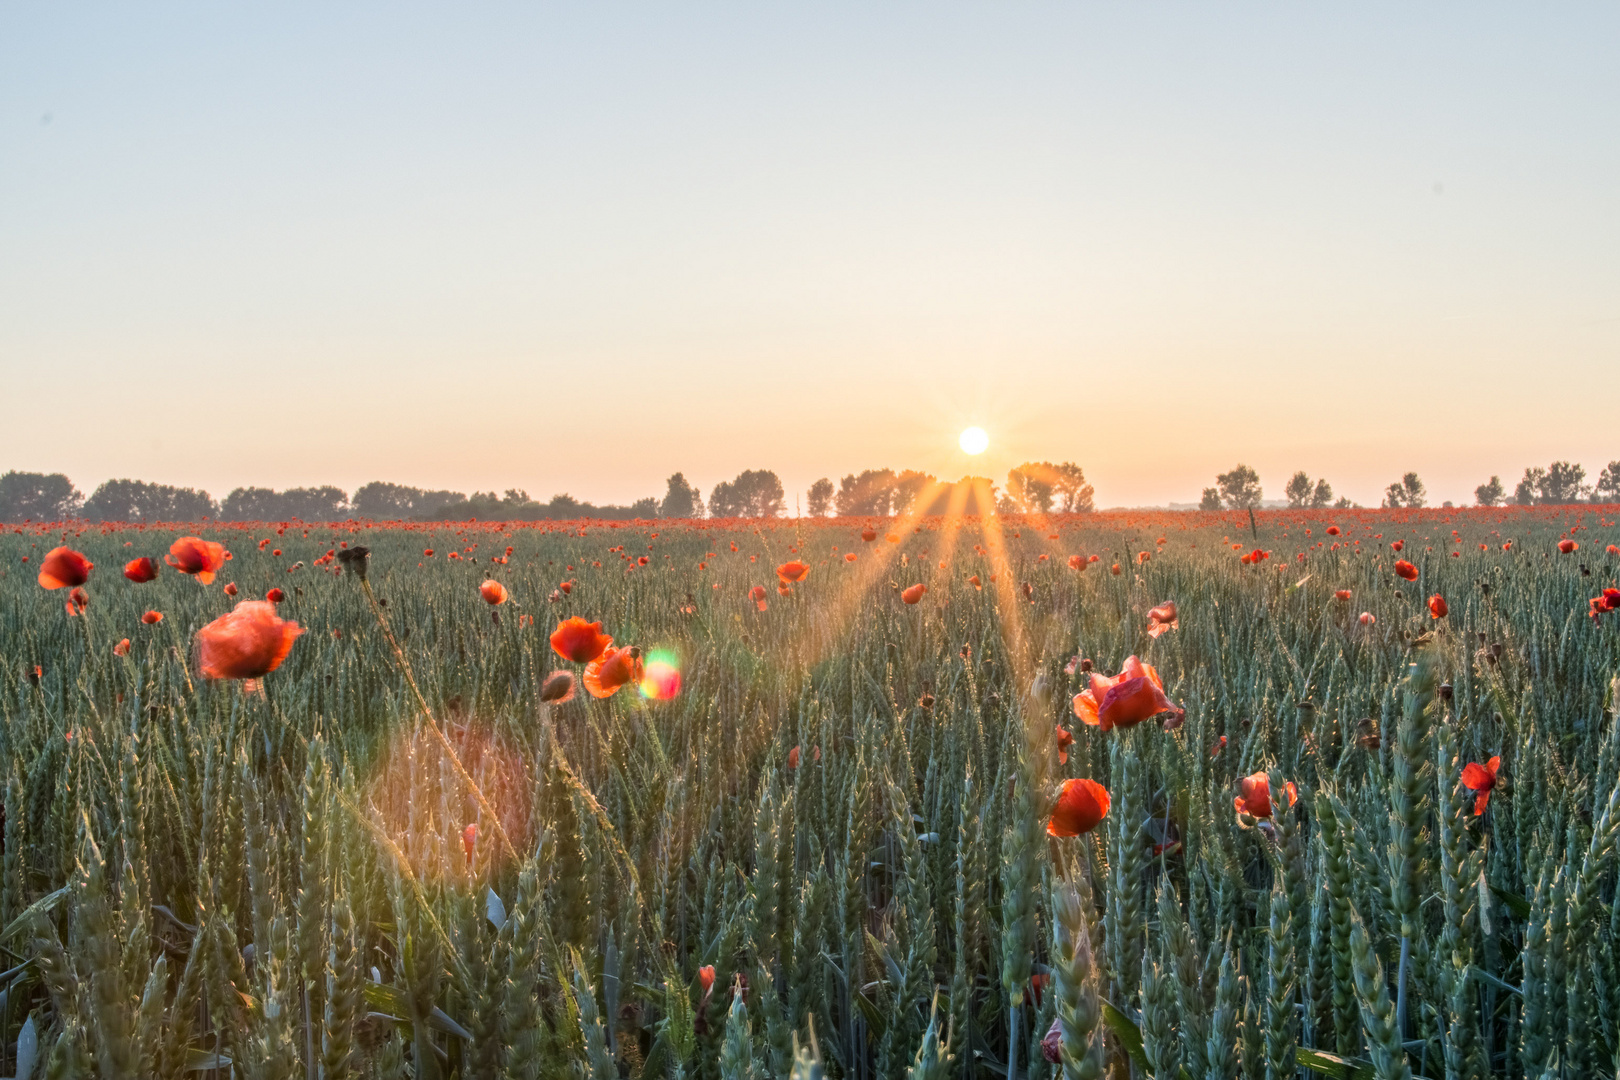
1211	500
1298	490
1240	488
1525	492
136	500
392	502
1562	483
1343	503
645	508
1406	493
909	488
819	500
723	501
1608	484
1044	487
38	497
1028	490
316	503
1490	493
760	493
869	494
681	500
1322	495
251	504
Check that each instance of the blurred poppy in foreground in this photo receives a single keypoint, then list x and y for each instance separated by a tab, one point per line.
1567	546
152	618
249	642
493	592
757	595
141	570
198	557
64	568
1065	739
914	593
1481	778
1406	570
1081	806
558	688
122	648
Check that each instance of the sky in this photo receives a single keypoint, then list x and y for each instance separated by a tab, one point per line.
576	248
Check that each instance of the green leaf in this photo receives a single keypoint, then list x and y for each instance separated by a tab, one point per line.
1128	1034
38	907
1333	1065
1517	904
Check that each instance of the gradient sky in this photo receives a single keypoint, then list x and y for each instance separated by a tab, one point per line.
577	248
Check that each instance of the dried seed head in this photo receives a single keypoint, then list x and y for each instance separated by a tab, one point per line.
355	560
558	687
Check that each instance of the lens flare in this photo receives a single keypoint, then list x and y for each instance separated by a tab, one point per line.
974	441
661	678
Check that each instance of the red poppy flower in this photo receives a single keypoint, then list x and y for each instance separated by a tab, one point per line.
975	582
1367	618
196	556
1076	563
1437	606
493	592
1481	778
1162	618
1342	594
77	601
1215	751
566	587
469	840
611	670
792	572
1333	530
1081	806
1256	798
1398	545
706	980
793	758
1613	549
580	641
1065	739
64	568
849	557
869	535
1568	546
247	643
152	618
1124	700
1404	569
275	596
757	595
913	593
141	570
122	648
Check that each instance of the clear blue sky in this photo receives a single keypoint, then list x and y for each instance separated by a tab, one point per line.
577	248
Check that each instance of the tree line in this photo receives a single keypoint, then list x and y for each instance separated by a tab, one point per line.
1035	487
1561	483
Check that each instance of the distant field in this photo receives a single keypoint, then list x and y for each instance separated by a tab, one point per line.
817	804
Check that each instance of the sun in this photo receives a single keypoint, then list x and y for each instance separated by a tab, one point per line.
974	441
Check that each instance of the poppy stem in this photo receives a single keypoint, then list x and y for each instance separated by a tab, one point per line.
427	714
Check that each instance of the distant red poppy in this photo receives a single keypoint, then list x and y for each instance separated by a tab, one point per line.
975	582
275	596
849	556
1481	778
1437	606
757	595
152	618
230	588
706	980
1115	570
122	648
793	758
196	556
792	572
611	670
1404	569
1333	530
1613	549
493	592
64	568
247	643
580	641
1398	545
469	840
869	535
1342	594
1162	618
566	587
1256	798
1220	744
77	601
1076	563
1568	546
141	570
913	593
1081	806
1065	739
1368	618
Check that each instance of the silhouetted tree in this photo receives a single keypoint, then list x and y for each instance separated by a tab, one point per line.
1490	493
681	500
1210	500
252	504
754	493
136	500
1563	483
1298	490
1042	487
871	493
1524	493
1405	493
910	486
1240	488
38	497
1608	483
391	502
819	499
